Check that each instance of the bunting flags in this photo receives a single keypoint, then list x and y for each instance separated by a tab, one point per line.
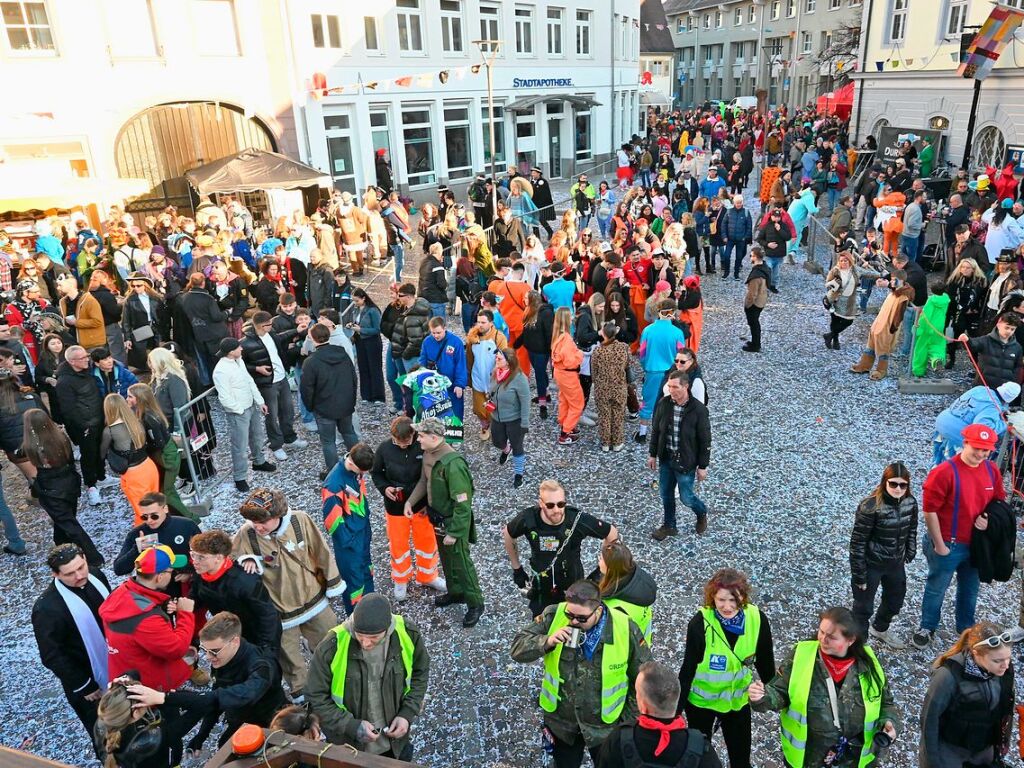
317	87
908	62
879	65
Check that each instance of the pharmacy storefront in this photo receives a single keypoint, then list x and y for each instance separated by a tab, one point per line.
439	132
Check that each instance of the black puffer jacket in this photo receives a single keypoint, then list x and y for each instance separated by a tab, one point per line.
329	382
882	534
998	360
410	330
12	422
536	337
256	355
245	596
79	399
433	281
639	589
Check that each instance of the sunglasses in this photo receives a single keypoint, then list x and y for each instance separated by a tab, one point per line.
1006	638
575	618
213	653
154	516
553	504
897	483
680	360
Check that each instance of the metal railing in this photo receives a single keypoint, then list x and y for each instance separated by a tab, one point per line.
193	424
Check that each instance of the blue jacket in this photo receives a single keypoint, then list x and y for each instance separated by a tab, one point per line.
447	357
975	406
737	225
709	187
559	293
123	378
659	343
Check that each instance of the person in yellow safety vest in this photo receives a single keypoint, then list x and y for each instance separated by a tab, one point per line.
368	678
625	586
592	655
833	696
725	640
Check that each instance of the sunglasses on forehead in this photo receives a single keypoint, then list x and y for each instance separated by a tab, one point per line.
1008	637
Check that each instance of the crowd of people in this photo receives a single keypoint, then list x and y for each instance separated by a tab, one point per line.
111	339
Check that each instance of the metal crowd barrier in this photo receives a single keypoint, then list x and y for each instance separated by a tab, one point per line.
193	425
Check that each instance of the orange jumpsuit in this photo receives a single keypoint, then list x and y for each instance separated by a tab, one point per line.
892	228
512	305
566	359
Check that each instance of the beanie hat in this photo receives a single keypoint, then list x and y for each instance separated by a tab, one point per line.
1008	391
372	614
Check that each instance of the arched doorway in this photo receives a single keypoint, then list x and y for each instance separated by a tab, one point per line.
878	126
989	147
162	142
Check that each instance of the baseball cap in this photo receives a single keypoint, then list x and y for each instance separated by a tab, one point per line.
430	426
1008	391
228	345
159	559
980	436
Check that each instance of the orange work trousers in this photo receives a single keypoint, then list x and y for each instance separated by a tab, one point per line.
424	543
137	482
891	243
570	399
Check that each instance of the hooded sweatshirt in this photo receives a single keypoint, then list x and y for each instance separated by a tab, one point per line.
328	386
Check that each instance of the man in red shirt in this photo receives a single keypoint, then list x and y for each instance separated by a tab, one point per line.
956	493
637	271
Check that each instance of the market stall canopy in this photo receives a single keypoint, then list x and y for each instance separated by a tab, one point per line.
252	170
838	102
23	190
527	103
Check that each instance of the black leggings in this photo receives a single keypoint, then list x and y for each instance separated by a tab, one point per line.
837	325
508	433
735	730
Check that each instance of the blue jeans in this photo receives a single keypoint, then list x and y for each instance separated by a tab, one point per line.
14	540
393	372
833	198
867	285
398	251
869	216
539	363
304	412
740	246
645	177
909	246
584	221
469	312
717	257
775	265
940	573
908	329
603	226
668	480
439	310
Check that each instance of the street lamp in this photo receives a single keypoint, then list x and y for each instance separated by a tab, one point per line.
485	47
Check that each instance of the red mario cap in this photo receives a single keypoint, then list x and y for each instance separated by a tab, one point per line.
980	436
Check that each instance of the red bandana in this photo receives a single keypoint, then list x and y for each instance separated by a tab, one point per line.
665	728
837	668
228	562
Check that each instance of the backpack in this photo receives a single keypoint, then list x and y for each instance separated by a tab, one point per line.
696	746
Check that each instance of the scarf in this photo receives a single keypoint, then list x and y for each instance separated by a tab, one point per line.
502	373
88	628
735	625
593	636
225	567
274	278
837	668
972	668
664	729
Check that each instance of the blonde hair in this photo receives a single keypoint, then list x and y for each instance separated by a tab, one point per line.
597	303
562	323
146	402
115	409
550	486
163	363
977	275
970	637
115	713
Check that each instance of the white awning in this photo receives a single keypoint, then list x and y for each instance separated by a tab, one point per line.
20	191
527	103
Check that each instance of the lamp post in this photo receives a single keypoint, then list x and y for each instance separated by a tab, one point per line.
485	47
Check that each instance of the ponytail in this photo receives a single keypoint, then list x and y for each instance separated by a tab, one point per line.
967	640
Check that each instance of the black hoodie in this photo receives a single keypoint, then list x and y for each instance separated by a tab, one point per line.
329	382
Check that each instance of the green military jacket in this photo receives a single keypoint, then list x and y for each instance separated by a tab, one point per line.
451	495
821	732
579	695
341	726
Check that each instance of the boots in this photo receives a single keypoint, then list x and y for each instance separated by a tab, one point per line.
867	359
881	369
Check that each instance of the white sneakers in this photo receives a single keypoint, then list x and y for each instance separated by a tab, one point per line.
107	482
401	592
438	584
888	638
93	495
298	443
280	455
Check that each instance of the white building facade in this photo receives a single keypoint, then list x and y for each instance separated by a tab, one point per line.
565	87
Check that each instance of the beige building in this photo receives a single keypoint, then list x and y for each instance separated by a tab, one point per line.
729	48
910	55
97	91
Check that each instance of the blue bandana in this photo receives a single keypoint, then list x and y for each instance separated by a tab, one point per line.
592	636
735	625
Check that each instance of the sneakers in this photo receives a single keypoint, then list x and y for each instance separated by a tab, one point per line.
543	412
662	533
12	551
606	448
93	494
437	583
566	438
107	482
503	457
280	455
517	481
309	426
587	421
639	438
773	289
472	616
298	442
265	466
242	486
401	592
748	347
922	638
442	601
633	415
617	448
888	638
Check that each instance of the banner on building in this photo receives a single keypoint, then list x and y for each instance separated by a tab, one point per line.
891	138
990	42
1015	156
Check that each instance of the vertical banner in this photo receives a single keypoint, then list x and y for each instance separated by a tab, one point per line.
990	42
